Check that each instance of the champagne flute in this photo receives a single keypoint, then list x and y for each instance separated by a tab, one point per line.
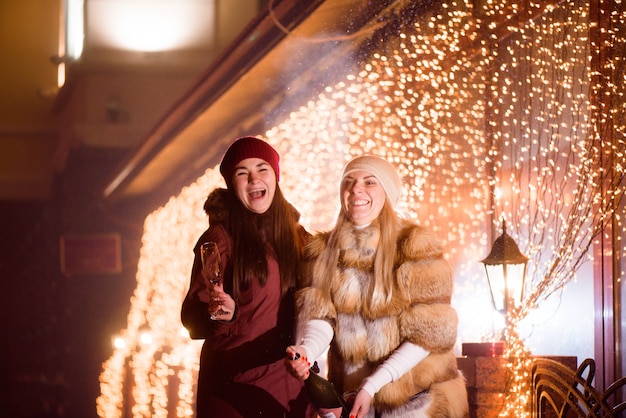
212	268
211	262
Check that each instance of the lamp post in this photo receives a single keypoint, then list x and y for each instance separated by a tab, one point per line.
506	272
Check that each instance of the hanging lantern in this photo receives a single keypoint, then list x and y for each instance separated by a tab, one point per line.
506	272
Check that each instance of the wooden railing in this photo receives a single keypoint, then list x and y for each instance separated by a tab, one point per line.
561	392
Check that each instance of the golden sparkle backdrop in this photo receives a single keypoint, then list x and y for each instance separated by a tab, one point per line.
486	113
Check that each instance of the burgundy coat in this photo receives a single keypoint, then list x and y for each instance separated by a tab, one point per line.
242	359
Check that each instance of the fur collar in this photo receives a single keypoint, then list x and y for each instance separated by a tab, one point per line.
357	247
216	206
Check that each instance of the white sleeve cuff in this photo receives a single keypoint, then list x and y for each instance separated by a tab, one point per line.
316	337
403	359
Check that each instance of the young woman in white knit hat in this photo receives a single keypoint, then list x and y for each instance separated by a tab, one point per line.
377	295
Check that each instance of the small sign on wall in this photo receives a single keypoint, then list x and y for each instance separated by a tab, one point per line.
91	254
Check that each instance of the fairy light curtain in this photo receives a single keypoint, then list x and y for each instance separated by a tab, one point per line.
484	108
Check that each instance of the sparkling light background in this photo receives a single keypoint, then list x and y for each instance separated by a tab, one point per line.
481	126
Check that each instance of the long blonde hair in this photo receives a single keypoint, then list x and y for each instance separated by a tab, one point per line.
382	289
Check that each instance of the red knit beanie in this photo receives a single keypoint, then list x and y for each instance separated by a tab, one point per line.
248	147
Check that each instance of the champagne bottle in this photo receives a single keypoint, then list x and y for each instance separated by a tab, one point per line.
323	396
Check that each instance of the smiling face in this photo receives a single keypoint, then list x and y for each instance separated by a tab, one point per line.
362	197
254	183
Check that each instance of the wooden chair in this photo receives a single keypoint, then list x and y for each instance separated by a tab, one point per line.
561	392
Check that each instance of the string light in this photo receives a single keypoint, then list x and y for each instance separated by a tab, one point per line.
504	129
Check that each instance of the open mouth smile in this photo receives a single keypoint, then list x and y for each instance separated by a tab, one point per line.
360	202
257	194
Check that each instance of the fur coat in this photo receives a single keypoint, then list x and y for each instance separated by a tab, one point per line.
367	331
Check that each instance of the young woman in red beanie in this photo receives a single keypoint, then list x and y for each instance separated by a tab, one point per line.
379	295
248	319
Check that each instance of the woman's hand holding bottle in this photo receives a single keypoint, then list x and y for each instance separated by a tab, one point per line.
322	393
297	364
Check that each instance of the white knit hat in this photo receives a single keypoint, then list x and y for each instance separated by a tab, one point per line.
382	170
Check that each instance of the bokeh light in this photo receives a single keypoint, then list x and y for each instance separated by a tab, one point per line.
490	111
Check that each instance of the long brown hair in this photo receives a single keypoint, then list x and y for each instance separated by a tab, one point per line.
276	231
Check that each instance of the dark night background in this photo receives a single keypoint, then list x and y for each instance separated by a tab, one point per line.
56	329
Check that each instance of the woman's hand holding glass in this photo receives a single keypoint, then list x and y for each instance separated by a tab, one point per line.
222	305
